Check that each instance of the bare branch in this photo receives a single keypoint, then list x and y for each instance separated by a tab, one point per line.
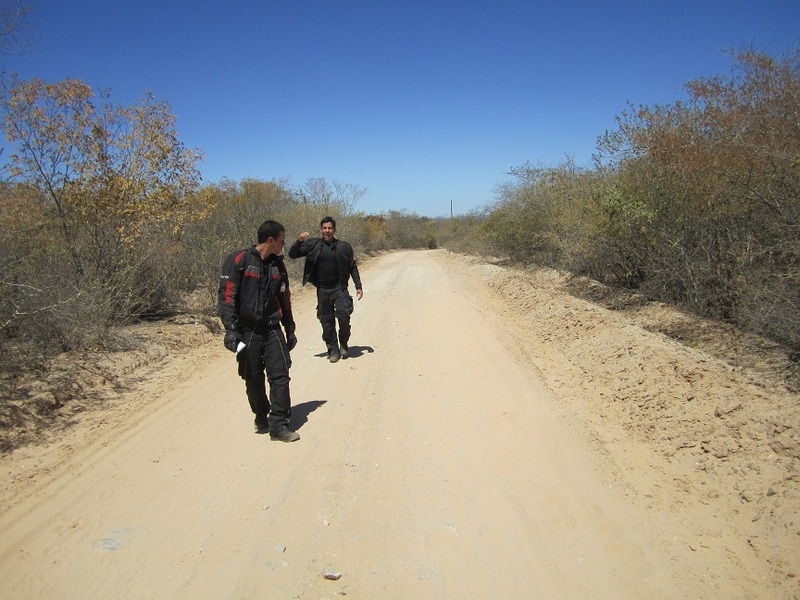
15	26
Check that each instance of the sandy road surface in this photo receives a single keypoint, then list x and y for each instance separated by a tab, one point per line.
436	462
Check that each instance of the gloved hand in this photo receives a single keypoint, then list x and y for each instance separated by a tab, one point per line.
291	341
232	339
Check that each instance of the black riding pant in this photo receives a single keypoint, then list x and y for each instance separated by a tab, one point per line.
334	304
266	351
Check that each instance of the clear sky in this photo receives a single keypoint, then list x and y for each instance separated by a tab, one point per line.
423	102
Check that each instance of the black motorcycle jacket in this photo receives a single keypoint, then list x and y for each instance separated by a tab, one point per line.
345	257
254	293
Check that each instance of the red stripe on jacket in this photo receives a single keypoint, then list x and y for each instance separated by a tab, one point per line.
229	287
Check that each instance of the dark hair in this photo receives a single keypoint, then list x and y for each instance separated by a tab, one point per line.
269	229
328	219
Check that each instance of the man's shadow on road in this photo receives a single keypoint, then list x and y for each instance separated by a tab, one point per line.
301	411
352	351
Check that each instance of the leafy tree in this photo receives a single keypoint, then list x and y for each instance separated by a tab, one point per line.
109	171
116	187
234	212
542	217
714	185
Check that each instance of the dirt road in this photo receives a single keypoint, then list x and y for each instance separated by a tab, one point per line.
490	437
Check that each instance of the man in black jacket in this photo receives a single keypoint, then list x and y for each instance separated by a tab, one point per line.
330	263
254	301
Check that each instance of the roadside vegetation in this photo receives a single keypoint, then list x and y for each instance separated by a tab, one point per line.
105	221
695	204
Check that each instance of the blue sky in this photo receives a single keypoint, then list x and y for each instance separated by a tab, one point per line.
425	103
